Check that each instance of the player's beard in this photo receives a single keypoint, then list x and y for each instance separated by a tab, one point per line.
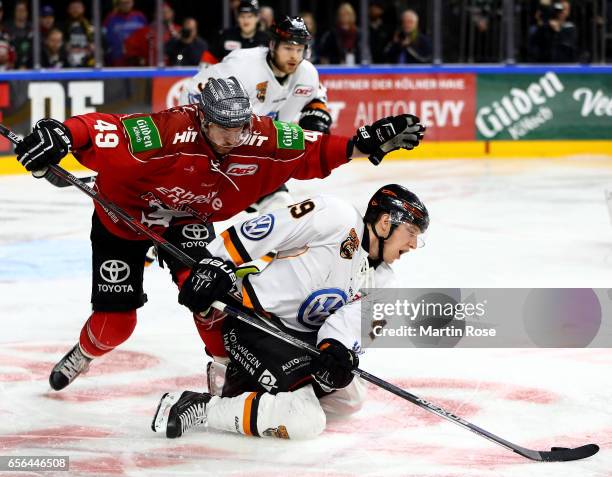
283	67
224	145
288	69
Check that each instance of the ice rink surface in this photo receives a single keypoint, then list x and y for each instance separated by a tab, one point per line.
494	223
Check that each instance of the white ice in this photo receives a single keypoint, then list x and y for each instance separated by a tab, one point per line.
495	223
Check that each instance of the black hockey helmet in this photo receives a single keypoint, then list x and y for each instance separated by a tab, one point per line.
402	206
292	30
248	6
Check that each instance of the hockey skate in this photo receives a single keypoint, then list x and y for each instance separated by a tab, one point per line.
68	368
178	413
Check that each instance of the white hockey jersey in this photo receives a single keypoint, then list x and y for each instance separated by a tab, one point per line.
283	102
313	283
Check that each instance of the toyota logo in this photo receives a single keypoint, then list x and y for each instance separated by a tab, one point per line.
115	271
195	232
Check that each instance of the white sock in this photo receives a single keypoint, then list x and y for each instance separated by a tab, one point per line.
295	415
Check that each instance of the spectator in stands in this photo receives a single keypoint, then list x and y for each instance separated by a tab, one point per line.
608	19
234	5
189	48
20	31
266	18
7	52
141	46
4	35
246	34
118	26
379	38
409	45
566	12
46	21
313	46
7	56
554	39
340	45
78	32
53	54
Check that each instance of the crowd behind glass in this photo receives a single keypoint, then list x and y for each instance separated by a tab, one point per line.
398	32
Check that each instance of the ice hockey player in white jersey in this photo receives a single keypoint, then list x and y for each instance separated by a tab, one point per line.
281	83
326	250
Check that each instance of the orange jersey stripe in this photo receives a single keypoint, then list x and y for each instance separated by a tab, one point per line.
246	299
231	248
267	258
246	416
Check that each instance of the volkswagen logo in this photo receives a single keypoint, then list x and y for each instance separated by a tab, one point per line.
115	271
319	305
195	232
258	228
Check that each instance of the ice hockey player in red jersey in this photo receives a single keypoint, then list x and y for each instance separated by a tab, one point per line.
178	171
328	253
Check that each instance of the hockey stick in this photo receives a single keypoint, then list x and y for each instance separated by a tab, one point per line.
45	173
556	454
54	180
113	211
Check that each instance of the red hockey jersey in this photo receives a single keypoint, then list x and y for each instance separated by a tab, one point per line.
159	167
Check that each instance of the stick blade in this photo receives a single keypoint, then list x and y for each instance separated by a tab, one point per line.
560	454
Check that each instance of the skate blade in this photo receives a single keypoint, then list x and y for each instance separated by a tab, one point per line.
160	420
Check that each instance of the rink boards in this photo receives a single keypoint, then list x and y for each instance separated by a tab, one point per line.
475	111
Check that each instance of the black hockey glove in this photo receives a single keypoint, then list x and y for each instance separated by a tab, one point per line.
332	369
388	134
209	280
47	144
315	117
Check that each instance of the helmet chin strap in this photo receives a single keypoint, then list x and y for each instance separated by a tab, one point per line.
382	240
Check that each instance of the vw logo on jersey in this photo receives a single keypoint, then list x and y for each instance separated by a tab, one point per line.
195	232
319	305
114	271
258	228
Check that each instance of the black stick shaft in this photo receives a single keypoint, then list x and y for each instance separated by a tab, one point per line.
113	211
257	323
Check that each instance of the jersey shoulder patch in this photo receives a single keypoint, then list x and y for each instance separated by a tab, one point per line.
143	134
